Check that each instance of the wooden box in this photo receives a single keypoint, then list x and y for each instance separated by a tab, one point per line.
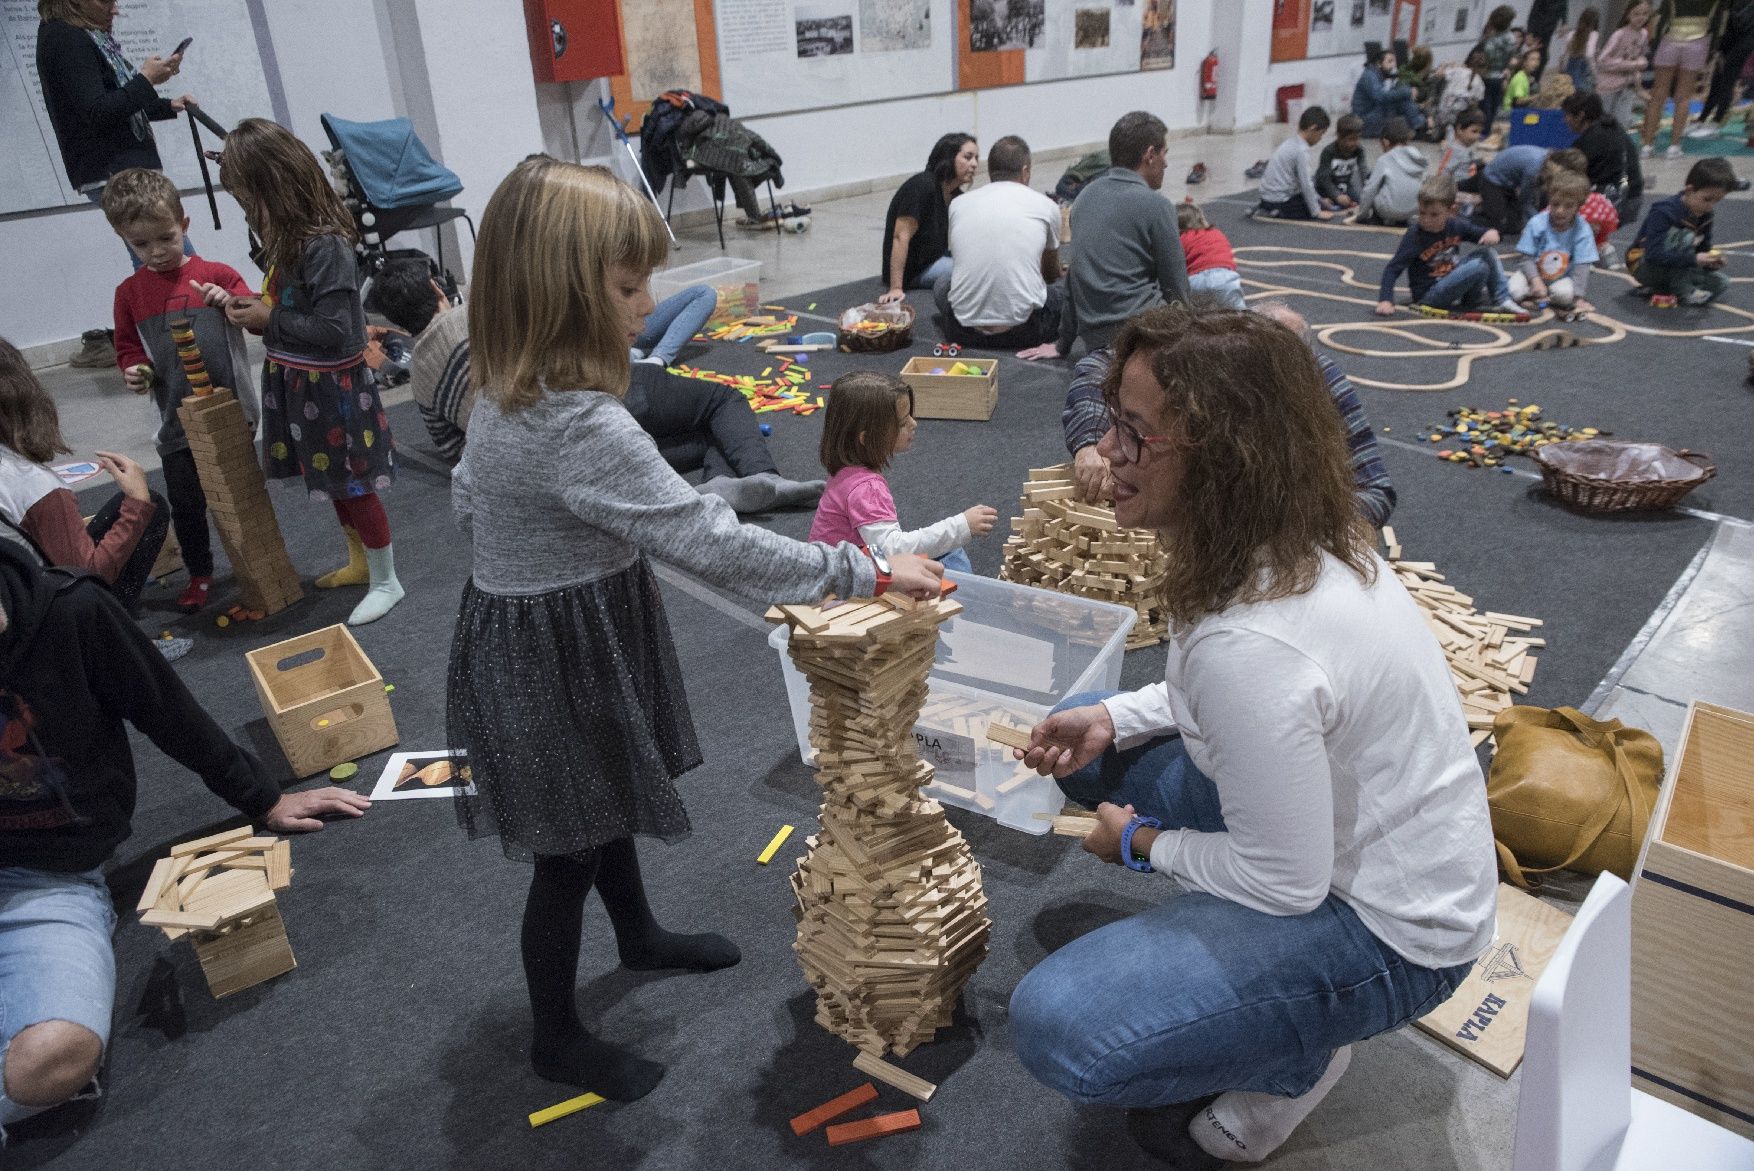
1693	927
952	396
323	698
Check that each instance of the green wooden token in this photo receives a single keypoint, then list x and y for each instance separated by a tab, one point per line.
344	772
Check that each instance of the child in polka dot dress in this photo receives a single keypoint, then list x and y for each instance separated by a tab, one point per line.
322	419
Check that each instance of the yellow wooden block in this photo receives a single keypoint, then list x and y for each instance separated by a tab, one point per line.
779	839
562	1109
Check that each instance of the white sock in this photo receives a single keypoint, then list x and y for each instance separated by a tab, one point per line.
384	592
1245	1127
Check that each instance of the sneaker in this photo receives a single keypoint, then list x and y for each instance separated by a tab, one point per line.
1256	171
1703	130
1610	258
1674	152
1198	174
1512	306
1744	184
194	597
1698	297
1645	152
97	350
174	648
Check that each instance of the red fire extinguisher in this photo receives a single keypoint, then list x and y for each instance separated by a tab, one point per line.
1209	76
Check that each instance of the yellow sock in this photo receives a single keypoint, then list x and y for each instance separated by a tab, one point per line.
355	572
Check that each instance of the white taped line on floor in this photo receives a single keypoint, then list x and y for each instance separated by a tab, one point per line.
1647	632
1729	341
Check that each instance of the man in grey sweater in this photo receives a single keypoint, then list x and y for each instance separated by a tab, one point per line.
1127	249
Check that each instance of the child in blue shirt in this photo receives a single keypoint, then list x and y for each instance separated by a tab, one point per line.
1672	255
1440	271
1557	249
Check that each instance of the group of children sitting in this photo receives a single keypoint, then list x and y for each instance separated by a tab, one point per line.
1448	256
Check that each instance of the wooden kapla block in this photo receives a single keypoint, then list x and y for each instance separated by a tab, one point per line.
323	699
220	892
891	915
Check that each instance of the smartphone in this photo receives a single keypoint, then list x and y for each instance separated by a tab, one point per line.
185	44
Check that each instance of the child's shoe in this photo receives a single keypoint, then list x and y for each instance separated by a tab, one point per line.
1513	307
1646	152
1256	171
1610	258
194	597
1198	174
1663	301
1698	297
1674	152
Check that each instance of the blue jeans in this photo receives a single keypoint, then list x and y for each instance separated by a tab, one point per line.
674	321
1200	995
956	559
56	961
933	272
1223	285
1476	282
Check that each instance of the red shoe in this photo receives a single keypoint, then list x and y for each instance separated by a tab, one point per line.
195	597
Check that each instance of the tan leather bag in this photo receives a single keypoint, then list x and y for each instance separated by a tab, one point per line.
1570	793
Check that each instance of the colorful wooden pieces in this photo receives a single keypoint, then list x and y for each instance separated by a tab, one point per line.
808	1121
779	840
878	1127
219	890
562	1109
1061	544
891	916
901	1079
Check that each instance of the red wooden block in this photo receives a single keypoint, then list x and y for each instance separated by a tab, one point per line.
851	1100
877	1127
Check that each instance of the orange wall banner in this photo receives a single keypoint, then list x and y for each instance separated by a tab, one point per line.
983	70
1290	30
706	34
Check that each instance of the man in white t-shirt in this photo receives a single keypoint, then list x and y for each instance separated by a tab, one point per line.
1004	239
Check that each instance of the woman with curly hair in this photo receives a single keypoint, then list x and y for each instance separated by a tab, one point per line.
1302	775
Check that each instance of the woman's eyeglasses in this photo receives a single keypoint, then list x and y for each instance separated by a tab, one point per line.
1132	443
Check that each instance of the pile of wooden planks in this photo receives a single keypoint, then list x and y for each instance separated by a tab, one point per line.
1061	543
219	891
1491	655
891	915
224	448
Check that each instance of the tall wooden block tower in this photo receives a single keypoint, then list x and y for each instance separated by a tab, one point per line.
891	915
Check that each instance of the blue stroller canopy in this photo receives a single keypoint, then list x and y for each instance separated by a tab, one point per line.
391	164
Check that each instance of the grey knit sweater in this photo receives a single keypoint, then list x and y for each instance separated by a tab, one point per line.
571	490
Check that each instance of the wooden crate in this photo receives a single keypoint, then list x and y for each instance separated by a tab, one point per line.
952	396
323	698
1693	927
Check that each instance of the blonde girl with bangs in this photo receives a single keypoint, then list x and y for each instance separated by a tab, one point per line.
564	685
1302	775
322	418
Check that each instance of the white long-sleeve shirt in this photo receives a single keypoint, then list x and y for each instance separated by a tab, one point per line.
1329	724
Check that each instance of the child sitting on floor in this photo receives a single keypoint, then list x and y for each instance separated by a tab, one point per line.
1439	274
1557	249
1392	194
870	420
1598	211
1464	88
1341	173
1458	160
1672	255
1288	187
1211	263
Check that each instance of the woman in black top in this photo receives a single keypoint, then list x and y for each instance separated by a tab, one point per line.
1604	144
916	231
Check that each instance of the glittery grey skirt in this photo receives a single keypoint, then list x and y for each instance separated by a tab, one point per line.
570	705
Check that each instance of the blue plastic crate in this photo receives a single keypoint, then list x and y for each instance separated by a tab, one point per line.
1540	128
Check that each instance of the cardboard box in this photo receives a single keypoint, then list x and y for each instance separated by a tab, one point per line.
952	396
1693	927
323	698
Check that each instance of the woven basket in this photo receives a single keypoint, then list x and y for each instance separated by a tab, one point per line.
886	328
1603	475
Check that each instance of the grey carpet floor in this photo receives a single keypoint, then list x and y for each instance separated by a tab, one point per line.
400	1040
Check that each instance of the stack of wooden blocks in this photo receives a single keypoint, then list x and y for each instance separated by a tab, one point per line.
891	915
1491	655
1060	543
225	458
219	891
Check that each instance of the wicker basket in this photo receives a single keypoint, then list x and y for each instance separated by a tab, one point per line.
1604	475
877	329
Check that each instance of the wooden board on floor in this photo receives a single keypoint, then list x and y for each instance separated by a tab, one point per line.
1488	1016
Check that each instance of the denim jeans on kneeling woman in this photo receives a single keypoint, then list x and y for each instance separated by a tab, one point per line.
1200	995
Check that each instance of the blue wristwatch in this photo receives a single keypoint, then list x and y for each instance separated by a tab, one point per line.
1127	843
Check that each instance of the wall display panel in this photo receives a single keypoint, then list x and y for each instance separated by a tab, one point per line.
223	67
1010	42
777	56
667	44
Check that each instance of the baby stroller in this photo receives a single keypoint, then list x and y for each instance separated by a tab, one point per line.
391	184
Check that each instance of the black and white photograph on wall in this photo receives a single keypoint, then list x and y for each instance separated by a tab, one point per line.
1357	13
1461	18
1005	24
1090	28
892	25
1321	16
824	30
1379	6
1157	35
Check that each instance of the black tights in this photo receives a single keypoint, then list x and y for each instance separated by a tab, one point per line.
554	925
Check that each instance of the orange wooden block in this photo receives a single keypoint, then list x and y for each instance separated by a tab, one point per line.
877	1127
851	1100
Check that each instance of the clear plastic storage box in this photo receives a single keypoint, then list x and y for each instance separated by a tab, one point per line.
1012	654
735	280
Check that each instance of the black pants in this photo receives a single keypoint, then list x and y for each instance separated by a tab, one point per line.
188	511
1043	325
1500	208
1295	208
697	424
1723	82
132	579
1494	97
